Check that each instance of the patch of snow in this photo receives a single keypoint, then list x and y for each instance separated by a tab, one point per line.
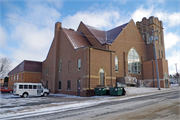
17	108
174	84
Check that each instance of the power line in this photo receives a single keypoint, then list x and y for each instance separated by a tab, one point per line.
72	32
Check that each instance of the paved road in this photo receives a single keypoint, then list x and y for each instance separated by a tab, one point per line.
160	106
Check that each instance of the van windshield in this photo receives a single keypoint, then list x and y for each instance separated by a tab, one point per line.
14	87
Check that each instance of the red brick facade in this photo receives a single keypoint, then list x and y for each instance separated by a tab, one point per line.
98	56
24	77
78	61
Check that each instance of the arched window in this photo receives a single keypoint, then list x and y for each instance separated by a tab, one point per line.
101	76
116	63
133	62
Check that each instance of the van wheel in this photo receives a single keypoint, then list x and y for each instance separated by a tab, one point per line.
45	94
25	95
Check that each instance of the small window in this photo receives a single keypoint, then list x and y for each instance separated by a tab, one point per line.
68	85
17	77
159	38
20	86
159	53
116	63
38	87
25	86
14	78
45	71
60	64
143	37
60	85
151	21
30	86
34	87
47	84
162	54
79	64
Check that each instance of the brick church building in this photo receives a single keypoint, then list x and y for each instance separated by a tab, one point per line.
78	61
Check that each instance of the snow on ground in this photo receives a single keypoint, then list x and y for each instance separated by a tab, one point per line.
16	106
174	85
141	90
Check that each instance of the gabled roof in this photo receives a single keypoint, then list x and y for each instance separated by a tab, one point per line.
77	39
106	36
113	33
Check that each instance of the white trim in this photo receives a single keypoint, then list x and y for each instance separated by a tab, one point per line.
154	79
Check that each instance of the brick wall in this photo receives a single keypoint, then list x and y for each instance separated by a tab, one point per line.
148	71
24	77
61	48
129	38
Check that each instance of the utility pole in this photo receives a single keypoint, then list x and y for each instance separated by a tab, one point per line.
177	74
153	72
176	67
157	72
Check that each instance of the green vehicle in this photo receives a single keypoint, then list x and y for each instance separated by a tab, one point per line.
117	91
100	91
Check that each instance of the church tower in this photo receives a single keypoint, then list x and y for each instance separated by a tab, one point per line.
148	27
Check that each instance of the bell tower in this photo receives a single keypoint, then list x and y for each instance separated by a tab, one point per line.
149	27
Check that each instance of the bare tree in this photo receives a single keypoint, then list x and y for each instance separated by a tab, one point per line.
4	67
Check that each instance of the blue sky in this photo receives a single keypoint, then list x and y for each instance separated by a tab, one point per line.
27	26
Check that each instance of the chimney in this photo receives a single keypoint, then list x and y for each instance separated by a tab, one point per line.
57	28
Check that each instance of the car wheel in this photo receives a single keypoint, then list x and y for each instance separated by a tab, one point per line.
45	94
25	95
11	92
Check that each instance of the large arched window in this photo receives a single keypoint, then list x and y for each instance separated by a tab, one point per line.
101	76
116	63
134	62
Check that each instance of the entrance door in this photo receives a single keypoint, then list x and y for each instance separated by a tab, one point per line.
39	90
166	83
101	76
78	87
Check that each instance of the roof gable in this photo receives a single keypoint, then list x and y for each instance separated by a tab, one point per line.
77	39
113	33
100	35
105	37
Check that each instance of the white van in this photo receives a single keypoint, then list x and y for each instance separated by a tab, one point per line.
26	89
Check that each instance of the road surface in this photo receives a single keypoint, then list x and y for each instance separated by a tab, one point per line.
161	106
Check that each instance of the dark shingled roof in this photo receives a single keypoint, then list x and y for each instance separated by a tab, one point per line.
113	33
106	36
26	65
77	39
